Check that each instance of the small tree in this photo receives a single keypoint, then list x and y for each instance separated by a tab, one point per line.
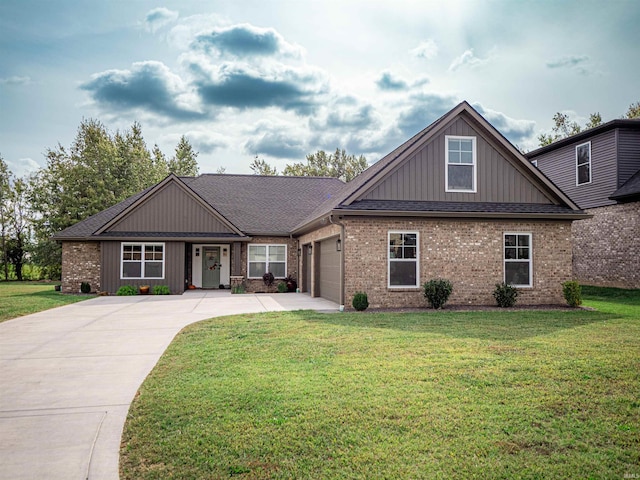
437	292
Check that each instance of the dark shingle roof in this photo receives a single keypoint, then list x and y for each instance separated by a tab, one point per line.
629	189
459	207
256	205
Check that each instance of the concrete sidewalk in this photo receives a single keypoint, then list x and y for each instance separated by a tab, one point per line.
68	375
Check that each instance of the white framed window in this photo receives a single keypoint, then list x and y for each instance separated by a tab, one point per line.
518	259
142	260
267	258
403	263
460	164
583	163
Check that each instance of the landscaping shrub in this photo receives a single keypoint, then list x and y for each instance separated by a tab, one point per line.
85	287
572	293
505	295
238	289
437	292
268	279
127	290
282	287
360	301
161	290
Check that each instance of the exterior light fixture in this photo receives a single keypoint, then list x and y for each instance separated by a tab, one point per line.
310	249
299	251
338	245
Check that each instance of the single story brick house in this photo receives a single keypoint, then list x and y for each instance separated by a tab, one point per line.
455	201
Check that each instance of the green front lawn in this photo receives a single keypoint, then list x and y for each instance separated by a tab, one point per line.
22	298
518	394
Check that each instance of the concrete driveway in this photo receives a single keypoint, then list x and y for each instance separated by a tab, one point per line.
68	375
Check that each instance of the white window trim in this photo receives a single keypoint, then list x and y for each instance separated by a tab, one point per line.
505	260
417	259
142	260
268	245
446	163
590	164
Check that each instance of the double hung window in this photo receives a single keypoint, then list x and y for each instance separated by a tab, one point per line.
583	163
403	251
267	258
460	172
517	259
142	260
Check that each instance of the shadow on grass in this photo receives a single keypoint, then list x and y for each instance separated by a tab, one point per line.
488	325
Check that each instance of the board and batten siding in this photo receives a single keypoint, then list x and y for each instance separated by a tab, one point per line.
560	166
171	210
628	154
422	176
174	263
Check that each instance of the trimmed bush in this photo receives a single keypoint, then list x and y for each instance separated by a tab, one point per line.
161	290
127	290
437	292
85	287
268	279
360	301
282	287
505	295
238	289
572	293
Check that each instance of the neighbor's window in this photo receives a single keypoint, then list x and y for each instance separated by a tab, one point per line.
583	163
267	258
517	259
403	259
460	174
142	260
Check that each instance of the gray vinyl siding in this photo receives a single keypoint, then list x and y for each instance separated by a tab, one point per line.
422	176
628	154
171	210
174	274
560	166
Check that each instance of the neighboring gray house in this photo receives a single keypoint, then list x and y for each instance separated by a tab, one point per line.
457	201
600	170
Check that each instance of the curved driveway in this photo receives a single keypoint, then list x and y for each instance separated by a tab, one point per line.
68	375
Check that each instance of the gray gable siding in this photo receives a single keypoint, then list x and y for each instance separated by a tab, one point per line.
628	154
560	166
422	176
171	210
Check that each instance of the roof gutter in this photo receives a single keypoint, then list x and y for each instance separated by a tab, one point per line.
437	214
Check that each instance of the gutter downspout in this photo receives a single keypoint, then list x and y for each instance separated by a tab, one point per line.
341	260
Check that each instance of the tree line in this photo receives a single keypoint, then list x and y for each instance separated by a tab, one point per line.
98	170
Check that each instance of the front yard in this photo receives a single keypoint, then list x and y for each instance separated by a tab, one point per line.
519	394
23	298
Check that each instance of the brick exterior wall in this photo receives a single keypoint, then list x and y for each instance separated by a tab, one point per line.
80	263
605	247
467	252
257	285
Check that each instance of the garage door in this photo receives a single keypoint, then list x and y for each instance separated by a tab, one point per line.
329	270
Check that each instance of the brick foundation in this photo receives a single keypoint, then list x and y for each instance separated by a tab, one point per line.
605	247
80	263
467	252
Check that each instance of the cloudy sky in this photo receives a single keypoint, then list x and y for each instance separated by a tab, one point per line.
281	79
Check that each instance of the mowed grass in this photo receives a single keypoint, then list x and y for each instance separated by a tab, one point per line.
22	298
518	394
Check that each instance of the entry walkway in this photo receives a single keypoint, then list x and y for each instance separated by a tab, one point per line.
68	375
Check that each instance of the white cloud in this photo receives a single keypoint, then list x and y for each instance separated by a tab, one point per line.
23	166
15	80
426	50
467	59
158	18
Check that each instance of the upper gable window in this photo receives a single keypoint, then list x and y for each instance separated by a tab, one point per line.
460	174
583	163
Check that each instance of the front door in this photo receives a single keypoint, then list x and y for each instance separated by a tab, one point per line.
211	267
